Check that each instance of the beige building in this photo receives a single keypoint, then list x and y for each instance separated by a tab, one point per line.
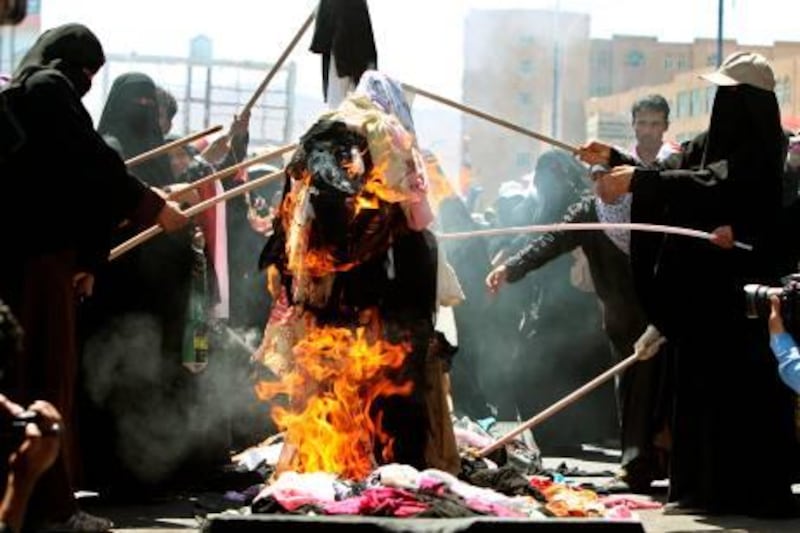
510	58
690	98
539	69
625	62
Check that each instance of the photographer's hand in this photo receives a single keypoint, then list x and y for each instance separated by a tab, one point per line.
42	442
775	320
34	456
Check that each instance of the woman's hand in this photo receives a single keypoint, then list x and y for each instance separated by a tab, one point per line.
723	237
496	279
171	217
595	153
614	183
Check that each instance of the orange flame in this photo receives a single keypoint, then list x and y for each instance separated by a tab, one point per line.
440	186
375	189
320	262
338	375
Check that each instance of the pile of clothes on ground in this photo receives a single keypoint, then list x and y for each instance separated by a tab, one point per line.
511	483
402	491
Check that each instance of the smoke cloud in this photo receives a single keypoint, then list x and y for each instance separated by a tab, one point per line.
163	418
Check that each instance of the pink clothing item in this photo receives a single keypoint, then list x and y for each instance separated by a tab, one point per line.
493	509
292	499
419	214
629	502
433	485
215	232
379	501
215	229
293	490
220	257
620	512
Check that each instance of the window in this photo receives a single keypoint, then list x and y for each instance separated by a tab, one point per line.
524	98
668	63
601	90
524	160
783	90
526	40
634	58
526	66
683	108
682	63
711	60
698	103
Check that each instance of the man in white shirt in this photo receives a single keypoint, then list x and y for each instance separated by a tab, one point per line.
650	121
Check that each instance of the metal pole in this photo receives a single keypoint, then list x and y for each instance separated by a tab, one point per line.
556	71
720	19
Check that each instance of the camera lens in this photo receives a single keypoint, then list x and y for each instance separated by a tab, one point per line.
756	300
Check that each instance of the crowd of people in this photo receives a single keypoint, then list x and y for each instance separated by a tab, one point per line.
711	395
77	309
715	389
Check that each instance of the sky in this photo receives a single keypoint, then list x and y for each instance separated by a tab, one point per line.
418	41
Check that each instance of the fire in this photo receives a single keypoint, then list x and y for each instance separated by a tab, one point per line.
440	186
376	189
338	375
320	262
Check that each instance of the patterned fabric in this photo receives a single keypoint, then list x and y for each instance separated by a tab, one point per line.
212	222
388	95
620	211
394	150
614	213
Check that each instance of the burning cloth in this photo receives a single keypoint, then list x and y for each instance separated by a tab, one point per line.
355	276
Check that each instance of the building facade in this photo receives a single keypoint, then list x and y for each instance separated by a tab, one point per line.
210	91
625	62
690	98
528	67
16	39
540	69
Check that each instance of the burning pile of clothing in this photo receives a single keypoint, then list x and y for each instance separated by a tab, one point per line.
360	395
480	488
357	279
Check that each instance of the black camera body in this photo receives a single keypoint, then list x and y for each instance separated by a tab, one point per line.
12	428
757	301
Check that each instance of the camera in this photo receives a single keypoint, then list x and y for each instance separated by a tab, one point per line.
757	302
12	428
13	11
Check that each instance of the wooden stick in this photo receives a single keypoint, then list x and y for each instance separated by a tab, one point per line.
281	60
587	226
566	401
152	231
233	169
493	119
164	148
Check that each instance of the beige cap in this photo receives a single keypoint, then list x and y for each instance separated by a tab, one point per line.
746	68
